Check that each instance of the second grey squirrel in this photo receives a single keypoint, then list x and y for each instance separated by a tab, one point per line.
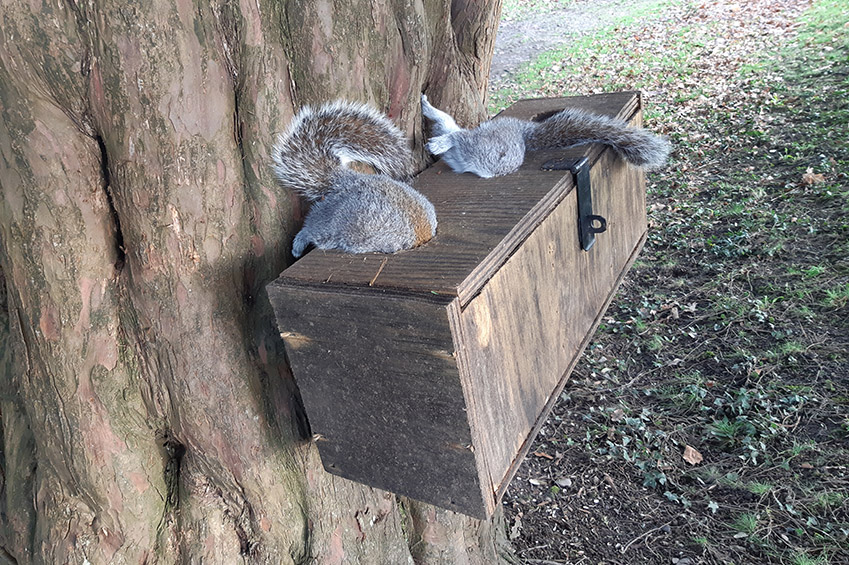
352	211
497	147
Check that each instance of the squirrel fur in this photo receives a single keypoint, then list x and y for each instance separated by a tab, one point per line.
352	211
497	147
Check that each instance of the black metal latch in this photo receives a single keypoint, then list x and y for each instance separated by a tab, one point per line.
589	224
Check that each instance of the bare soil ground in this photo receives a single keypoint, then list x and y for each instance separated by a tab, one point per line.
708	422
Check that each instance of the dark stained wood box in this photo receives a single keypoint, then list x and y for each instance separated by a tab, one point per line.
429	372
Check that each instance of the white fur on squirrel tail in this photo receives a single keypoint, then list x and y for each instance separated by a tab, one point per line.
321	141
572	126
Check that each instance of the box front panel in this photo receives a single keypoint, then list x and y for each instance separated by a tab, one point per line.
521	336
381	390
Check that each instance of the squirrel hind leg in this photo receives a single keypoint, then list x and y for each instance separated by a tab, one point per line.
443	123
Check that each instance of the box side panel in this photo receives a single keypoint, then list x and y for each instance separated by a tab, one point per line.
522	334
381	389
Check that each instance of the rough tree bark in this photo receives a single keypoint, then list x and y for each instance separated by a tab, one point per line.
147	414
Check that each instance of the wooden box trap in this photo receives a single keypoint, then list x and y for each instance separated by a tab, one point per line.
429	372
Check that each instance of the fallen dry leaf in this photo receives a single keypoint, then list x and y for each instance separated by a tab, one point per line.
564	482
692	456
810	177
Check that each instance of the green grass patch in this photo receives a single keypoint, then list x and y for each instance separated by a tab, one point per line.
549	69
745	523
838	296
759	488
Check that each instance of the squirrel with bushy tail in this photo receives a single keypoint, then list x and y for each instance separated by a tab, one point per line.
352	211
358	212
497	147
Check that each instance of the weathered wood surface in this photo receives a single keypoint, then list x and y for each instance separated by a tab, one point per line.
380	381
481	221
520	337
460	347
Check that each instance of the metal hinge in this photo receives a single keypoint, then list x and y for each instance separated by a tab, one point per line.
589	224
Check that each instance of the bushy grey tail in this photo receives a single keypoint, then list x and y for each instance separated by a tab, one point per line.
321	141
574	127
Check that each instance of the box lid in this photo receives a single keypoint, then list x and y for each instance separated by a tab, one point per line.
481	222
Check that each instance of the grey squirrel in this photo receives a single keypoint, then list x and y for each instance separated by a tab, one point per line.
352	211
497	147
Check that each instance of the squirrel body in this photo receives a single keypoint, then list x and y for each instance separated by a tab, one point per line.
352	211
365	213
497	147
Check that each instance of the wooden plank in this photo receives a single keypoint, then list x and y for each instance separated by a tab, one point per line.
614	104
552	399
523	332
381	389
481	221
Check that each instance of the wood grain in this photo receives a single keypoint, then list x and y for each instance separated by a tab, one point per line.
522	334
481	221
429	372
381	387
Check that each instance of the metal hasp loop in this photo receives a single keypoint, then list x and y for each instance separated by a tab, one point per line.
589	224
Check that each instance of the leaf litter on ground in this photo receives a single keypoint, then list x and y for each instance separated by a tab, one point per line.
729	337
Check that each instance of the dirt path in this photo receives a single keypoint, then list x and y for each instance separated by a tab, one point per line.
522	39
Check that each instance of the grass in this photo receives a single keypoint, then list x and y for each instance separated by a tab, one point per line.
540	75
749	247
837	297
760	489
803	559
745	524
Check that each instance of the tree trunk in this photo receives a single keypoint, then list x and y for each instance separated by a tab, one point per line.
148	413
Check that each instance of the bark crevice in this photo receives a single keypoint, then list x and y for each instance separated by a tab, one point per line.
283	26
120	250
4	554
249	545
172	452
